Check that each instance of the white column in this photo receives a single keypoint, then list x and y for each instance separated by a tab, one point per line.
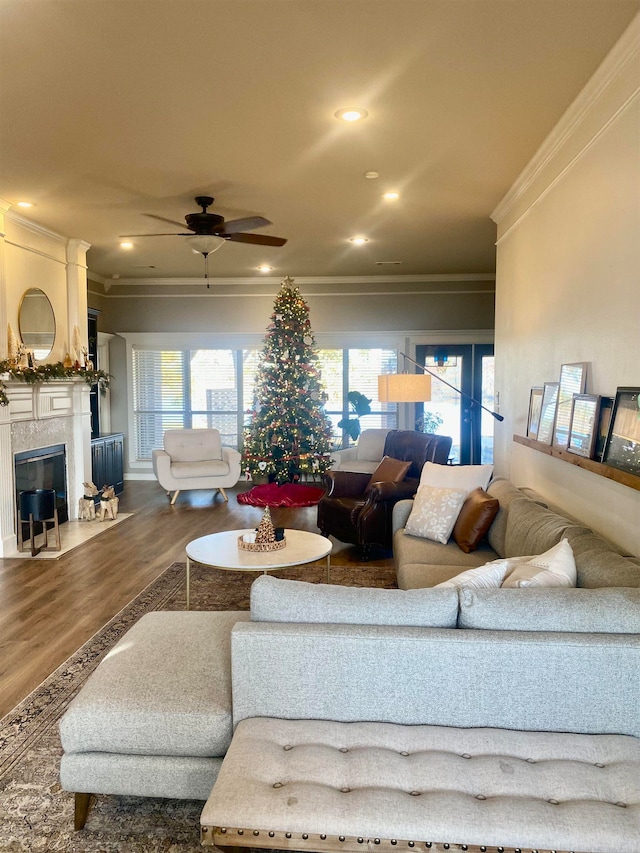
4	206
79	462
77	288
7	531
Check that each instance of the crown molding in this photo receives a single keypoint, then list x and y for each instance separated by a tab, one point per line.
300	280
624	52
34	227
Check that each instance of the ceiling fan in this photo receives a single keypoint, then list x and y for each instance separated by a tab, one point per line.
209	231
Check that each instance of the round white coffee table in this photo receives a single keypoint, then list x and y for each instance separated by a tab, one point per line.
220	551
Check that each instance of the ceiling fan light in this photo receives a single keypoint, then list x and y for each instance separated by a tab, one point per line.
205	244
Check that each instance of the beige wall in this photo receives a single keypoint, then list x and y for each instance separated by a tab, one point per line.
568	283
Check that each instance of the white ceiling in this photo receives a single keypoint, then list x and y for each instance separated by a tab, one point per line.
111	109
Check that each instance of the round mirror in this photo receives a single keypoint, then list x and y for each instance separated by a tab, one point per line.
37	323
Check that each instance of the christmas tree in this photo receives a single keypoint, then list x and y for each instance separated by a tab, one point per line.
289	434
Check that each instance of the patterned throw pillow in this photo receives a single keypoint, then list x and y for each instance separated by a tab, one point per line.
435	512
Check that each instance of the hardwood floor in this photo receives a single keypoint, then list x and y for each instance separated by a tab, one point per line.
49	608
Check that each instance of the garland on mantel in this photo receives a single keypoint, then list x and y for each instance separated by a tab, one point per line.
48	373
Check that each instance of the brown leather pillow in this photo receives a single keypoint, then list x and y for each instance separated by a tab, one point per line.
389	470
475	519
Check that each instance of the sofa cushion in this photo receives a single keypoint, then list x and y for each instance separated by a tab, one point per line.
420	575
475	518
389	470
505	492
279	600
534	529
434	512
599	564
191	470
610	611
134	703
467	477
556	567
193	445
413	549
483	577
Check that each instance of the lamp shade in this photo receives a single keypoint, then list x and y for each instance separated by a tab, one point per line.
205	243
404	388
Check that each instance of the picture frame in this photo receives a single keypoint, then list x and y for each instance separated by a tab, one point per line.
548	412
573	380
622	448
604	420
583	427
535	409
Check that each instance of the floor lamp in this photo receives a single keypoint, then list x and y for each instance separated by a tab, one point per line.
416	388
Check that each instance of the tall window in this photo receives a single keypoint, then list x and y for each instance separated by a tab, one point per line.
186	389
345	370
175	389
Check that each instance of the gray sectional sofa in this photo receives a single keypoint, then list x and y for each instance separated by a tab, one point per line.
524	525
351	718
432	719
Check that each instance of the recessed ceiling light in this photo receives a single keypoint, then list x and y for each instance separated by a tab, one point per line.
372	175
358	241
391	195
265	268
126	245
25	204
351	114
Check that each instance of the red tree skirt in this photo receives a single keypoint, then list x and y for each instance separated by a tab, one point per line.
289	494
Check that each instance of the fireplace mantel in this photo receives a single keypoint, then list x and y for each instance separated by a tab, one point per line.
55	412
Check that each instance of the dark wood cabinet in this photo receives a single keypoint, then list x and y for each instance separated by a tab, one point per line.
94	394
107	461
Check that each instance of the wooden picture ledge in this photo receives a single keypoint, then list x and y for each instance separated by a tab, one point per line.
626	479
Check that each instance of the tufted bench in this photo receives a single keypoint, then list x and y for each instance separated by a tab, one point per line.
321	785
154	718
352	736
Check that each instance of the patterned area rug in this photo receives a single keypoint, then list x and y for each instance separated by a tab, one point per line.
35	813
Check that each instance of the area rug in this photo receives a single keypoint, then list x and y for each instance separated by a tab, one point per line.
288	494
35	814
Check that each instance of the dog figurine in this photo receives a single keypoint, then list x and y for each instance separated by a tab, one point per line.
108	504
86	504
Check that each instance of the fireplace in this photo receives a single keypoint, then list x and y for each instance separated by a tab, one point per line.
43	468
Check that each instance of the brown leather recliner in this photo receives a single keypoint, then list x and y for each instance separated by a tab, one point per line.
352	513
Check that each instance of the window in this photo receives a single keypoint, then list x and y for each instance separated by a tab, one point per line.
187	389
204	388
345	370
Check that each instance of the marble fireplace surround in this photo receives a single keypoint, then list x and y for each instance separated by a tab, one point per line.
39	416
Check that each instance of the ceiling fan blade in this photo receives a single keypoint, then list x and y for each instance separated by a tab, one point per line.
259	239
164	219
168	234
235	225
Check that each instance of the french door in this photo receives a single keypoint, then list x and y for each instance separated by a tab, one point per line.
468	368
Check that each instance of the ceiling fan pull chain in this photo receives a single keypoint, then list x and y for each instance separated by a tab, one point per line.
206	268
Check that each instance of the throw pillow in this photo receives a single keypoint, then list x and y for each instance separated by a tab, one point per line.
467	477
389	470
556	567
475	519
434	513
490	575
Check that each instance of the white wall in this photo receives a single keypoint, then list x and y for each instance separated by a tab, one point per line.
568	282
